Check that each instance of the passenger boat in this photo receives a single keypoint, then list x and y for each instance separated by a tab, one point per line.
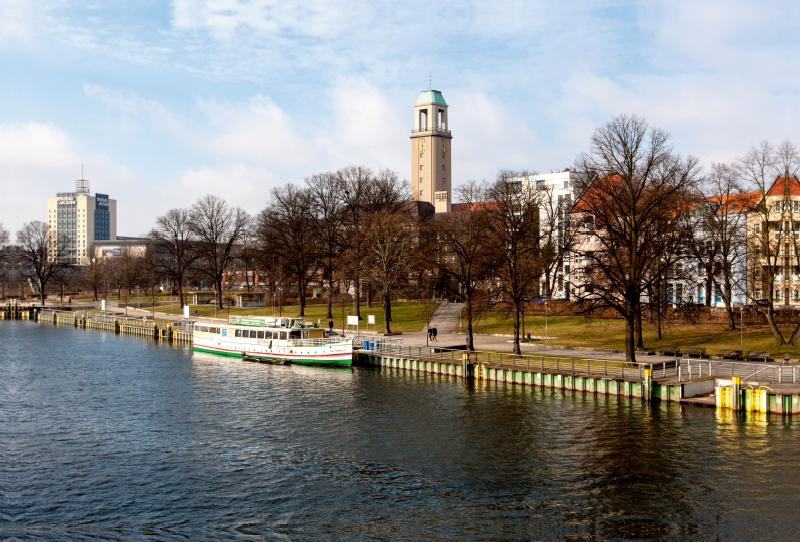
273	338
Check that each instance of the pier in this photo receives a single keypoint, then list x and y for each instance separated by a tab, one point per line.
750	387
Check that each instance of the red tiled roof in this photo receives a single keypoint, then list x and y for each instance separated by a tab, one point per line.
778	188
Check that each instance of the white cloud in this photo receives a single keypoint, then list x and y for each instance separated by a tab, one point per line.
38	160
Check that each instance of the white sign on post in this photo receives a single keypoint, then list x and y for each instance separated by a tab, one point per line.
352	320
371	319
186	312
102	304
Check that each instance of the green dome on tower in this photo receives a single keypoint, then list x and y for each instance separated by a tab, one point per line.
431	96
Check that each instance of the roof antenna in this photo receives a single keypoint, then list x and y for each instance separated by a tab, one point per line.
430	81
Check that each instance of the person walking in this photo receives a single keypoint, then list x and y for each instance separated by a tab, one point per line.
435	332
330	324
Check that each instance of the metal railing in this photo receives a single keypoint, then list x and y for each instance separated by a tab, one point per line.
432	130
544	364
752	372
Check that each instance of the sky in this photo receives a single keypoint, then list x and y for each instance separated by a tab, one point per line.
163	102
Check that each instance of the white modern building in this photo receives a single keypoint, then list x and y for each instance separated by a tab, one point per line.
559	190
81	219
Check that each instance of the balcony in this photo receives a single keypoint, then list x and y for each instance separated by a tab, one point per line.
433	131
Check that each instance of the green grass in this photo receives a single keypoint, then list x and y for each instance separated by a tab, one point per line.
606	333
405	315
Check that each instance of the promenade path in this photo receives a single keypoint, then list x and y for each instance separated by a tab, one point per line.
446	319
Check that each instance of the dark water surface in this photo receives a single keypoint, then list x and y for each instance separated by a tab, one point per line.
107	437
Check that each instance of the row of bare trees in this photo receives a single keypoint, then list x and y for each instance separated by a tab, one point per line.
649	219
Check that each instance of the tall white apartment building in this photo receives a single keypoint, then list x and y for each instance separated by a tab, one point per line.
554	215
80	219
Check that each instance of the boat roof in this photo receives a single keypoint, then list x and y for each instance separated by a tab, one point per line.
286	322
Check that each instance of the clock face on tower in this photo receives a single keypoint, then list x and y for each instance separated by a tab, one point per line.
444	146
422	144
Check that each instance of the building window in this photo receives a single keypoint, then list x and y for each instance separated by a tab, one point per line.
421	167
421	193
443	181
777	294
421	180
422	155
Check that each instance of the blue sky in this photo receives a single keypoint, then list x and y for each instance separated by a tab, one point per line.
166	101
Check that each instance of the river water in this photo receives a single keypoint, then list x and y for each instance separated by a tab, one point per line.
119	438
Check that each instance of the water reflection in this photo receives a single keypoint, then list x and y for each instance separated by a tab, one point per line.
116	437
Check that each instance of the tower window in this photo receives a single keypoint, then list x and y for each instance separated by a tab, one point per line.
443	181
423	119
442	167
421	193
421	167
421	180
422	155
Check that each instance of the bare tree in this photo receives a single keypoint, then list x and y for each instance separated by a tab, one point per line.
327	205
390	242
353	183
464	251
515	236
773	233
94	273
364	193
43	252
632	192
173	242
217	229
287	227
4	236
717	234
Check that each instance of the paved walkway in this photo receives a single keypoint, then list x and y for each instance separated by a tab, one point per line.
446	317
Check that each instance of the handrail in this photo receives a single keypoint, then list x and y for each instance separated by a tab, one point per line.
557	364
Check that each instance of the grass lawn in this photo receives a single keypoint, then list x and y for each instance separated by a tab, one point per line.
603	333
405	315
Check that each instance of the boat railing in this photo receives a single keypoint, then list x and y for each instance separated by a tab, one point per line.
317	342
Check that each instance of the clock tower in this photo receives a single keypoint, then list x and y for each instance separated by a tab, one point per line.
430	152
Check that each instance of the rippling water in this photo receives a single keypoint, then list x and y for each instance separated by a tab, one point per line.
109	437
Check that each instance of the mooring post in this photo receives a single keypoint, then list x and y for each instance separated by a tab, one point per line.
736	393
647	383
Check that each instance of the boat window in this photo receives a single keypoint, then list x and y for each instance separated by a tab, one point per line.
238	332
294	334
260	334
214	330
283	335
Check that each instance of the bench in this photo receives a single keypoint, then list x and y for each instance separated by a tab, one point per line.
758	356
730	354
669	351
694	352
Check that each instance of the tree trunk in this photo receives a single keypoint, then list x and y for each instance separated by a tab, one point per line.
330	298
180	293
357	299
517	350
468	315
301	294
369	298
630	340
779	340
709	287
638	327
219	292
795	335
729	313
387	313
